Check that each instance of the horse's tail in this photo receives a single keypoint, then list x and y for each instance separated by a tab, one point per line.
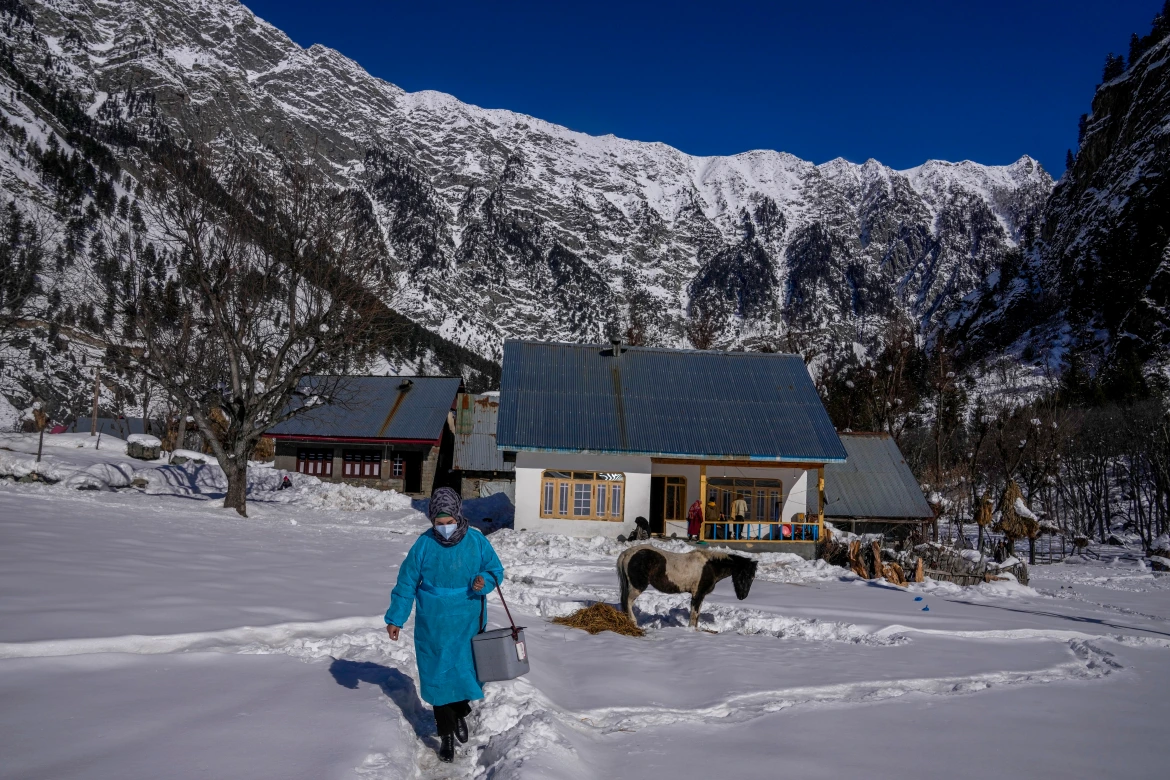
624	583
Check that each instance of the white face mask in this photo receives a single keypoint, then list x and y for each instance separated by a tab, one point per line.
446	530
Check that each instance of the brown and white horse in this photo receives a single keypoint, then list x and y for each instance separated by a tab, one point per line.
694	572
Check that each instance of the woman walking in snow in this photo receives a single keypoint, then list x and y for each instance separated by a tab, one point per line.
448	571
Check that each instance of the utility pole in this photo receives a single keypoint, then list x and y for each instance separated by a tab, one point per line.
41	420
181	436
97	388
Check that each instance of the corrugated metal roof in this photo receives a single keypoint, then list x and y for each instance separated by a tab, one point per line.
874	483
475	434
121	427
376	407
682	403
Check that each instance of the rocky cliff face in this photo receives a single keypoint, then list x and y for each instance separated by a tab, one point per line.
1093	282
1106	231
503	225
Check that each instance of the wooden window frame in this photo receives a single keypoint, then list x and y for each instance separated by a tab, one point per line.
397	466
361	464
568	487
308	456
674	482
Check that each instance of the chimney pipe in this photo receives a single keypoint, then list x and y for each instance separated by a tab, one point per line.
615	344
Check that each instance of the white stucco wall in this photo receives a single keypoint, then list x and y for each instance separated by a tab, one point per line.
796	496
529	466
799	490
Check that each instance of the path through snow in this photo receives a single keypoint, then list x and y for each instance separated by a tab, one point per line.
143	598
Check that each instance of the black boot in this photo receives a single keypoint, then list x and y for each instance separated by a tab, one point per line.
447	748
461	730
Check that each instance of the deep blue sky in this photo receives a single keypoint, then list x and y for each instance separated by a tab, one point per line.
902	82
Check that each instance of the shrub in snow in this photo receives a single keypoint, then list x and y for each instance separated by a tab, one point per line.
1161	546
9	415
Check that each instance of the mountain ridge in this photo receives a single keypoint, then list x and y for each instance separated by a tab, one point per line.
503	225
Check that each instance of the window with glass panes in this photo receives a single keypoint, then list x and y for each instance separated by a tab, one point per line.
317	462
674	503
582	495
361	464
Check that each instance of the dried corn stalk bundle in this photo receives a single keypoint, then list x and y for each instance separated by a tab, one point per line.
983	515
1016	521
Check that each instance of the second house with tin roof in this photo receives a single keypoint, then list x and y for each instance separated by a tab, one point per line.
604	434
389	432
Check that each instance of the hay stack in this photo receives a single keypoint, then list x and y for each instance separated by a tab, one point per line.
983	514
600	617
1012	524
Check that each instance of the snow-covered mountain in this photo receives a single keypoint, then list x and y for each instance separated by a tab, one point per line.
503	225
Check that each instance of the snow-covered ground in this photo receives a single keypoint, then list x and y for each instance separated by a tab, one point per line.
147	632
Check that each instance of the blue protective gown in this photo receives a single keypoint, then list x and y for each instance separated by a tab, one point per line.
439	578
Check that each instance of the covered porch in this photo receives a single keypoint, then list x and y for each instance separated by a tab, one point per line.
782	503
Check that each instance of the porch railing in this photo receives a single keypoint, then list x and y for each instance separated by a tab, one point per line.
761	532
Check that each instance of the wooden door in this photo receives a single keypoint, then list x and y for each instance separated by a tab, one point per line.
657	499
412	480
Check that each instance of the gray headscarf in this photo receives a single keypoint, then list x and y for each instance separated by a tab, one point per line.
446	501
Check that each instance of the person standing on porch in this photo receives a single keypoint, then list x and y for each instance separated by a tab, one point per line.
739	510
445	572
695	521
712	516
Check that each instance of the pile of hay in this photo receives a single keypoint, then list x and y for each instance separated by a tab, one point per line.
600	617
985	514
1013	523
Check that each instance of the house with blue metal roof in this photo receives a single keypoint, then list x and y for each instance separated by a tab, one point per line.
390	432
604	434
478	463
874	491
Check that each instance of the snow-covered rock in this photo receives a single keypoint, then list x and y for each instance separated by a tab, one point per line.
143	446
179	457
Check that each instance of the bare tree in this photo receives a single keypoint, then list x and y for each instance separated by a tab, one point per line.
264	279
703	325
892	392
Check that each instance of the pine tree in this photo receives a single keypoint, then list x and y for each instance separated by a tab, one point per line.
1161	26
1069	160
1135	48
1114	67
